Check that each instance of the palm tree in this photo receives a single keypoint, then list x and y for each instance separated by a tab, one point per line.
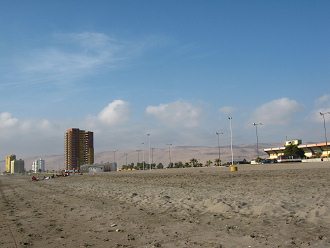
208	163
193	162
217	162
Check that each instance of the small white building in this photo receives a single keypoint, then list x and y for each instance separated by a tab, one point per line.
97	168
38	165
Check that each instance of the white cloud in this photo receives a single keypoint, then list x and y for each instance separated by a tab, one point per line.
45	124
316	116
323	100
115	113
13	125
89	40
276	112
77	55
322	104
69	57
6	120
29	137
177	113
227	110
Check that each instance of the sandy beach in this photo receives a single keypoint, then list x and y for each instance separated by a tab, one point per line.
280	205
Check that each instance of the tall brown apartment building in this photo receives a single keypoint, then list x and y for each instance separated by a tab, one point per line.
79	148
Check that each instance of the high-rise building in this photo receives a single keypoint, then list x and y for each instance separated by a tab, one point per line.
9	158
38	165
17	166
79	148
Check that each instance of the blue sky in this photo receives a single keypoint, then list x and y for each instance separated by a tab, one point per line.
175	69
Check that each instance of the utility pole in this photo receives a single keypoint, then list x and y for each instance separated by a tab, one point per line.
138	151
114	156
231	140
256	125
143	155
169	153
218	133
325	131
152	156
148	134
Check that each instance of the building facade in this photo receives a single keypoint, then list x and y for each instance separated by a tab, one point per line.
318	150
9	158
17	166
79	148
96	168
38	165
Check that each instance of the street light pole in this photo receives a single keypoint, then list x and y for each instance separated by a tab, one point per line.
218	134
325	130
231	140
148	134
143	155
138	151
256	125
114	156
169	153
152	155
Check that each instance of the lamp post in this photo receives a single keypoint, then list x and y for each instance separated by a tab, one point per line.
325	130
114	156
126	158
148	134
256	125
143	155
218	134
138	151
231	140
152	156
169	153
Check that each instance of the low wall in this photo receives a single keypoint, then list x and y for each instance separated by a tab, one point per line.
315	160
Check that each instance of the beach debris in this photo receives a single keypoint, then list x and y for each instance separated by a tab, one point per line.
157	244
130	237
113	225
231	227
87	245
119	230
26	243
35	178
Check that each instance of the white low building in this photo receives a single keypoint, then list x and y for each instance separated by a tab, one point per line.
96	168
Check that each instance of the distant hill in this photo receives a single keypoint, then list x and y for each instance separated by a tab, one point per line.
160	155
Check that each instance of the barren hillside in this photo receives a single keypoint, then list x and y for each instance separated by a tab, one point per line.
160	155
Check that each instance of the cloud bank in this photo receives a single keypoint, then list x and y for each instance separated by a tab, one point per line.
276	112
117	112
176	114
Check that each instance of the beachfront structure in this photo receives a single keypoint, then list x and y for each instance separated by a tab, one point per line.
79	148
17	166
96	168
9	158
38	165
320	150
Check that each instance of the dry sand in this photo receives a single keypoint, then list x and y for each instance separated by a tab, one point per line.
258	206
